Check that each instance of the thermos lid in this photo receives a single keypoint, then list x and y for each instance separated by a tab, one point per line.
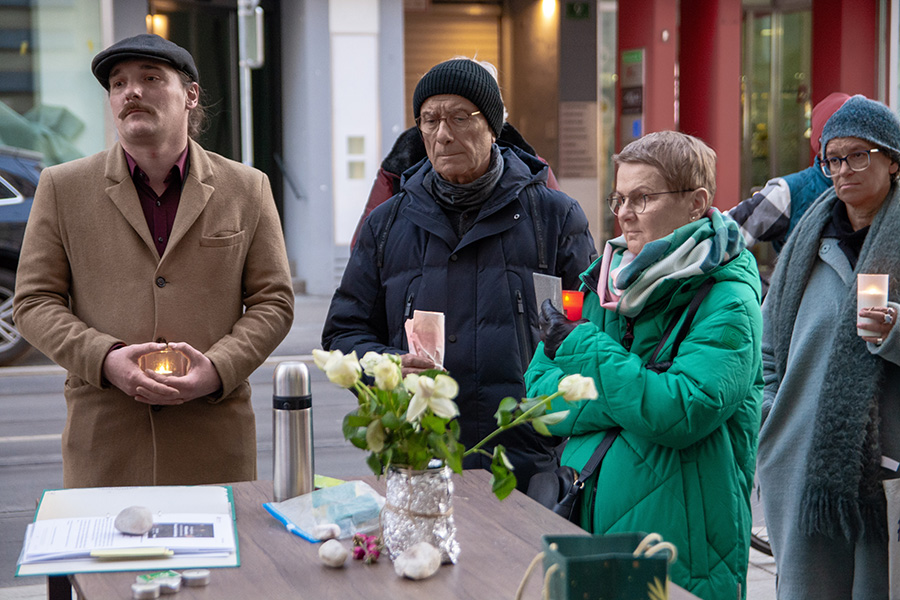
291	386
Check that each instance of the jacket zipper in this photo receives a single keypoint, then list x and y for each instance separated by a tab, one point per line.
407	313
520	307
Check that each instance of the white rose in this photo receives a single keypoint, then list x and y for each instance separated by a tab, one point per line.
436	394
343	370
386	373
369	361
578	387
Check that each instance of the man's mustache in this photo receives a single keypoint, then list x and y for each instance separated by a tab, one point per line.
133	106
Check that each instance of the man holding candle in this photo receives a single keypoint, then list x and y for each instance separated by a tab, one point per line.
470	226
831	411
154	240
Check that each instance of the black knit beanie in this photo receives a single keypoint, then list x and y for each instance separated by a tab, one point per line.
466	78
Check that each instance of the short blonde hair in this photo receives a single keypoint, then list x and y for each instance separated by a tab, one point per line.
684	161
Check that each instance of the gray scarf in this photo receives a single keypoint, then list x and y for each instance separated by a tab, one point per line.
842	495
459	198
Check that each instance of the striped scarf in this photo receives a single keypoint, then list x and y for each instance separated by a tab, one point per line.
694	249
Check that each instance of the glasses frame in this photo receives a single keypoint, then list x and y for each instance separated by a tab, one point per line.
445	119
846	159
638	209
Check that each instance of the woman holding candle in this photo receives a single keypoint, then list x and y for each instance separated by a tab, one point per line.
682	464
831	410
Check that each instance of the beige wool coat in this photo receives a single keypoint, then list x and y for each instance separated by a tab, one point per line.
90	277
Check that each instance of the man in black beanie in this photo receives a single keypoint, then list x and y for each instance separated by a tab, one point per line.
470	226
154	240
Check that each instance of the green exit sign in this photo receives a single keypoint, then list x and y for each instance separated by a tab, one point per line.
578	10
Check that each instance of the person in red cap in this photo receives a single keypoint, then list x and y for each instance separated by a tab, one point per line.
771	213
153	240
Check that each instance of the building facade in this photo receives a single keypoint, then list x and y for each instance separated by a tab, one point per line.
314	92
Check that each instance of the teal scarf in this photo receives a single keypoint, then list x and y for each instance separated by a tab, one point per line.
627	281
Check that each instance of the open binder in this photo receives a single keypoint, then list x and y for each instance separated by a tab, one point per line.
194	526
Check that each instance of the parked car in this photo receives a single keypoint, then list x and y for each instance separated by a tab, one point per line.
19	173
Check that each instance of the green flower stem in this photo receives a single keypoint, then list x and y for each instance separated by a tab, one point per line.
524	417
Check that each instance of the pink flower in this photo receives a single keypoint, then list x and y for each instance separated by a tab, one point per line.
359	553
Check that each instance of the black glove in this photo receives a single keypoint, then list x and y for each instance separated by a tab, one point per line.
554	328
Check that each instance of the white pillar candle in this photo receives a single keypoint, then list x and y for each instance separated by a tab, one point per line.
871	292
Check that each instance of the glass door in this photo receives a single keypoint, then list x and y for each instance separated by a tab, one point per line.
775	95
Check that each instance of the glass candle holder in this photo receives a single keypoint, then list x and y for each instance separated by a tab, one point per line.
572	303
166	362
871	292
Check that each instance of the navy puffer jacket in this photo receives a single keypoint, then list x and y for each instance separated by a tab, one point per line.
482	283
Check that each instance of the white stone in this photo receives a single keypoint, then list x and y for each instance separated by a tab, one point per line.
326	531
420	561
333	553
134	520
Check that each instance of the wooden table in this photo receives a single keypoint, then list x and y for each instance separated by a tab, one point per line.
497	539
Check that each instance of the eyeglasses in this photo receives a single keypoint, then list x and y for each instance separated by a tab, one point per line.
458	121
857	161
637	203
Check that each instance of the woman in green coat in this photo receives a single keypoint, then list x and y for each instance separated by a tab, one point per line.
682	465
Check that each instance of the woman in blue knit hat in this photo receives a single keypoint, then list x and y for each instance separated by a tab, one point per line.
831	410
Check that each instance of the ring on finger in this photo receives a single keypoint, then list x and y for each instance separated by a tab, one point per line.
888	317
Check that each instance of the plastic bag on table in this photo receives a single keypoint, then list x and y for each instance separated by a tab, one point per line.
353	506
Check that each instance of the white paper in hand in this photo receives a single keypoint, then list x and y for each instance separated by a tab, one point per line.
425	335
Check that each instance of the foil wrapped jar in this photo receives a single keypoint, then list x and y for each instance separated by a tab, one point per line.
419	508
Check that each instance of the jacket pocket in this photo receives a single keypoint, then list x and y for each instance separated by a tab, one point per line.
222	239
698	550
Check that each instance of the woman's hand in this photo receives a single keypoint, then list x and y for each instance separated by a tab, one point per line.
883	320
555	327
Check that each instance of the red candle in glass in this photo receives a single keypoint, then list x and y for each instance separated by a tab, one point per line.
572	302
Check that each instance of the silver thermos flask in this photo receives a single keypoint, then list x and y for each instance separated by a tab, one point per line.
292	452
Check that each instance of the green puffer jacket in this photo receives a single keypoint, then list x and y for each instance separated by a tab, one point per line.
683	464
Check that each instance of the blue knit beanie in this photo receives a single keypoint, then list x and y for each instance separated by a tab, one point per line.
466	78
867	120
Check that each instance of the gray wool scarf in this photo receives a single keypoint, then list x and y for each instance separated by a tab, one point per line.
842	495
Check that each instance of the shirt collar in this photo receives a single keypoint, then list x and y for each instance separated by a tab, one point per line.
179	164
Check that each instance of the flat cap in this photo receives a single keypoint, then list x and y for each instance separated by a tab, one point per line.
145	45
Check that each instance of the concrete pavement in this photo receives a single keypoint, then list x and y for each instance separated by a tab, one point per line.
310	312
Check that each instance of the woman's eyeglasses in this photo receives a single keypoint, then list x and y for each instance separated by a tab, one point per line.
637	203
857	161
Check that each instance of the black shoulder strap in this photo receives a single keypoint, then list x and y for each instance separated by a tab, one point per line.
386	229
701	293
594	462
537	219
598	455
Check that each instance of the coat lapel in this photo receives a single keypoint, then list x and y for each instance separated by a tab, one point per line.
122	193
194	195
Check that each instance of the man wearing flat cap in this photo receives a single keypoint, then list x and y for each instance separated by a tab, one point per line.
154	241
472	223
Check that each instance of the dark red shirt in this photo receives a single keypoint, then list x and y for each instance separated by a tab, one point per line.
160	210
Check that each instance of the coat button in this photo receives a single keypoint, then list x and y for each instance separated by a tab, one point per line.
160	282
451	338
454	257
156	408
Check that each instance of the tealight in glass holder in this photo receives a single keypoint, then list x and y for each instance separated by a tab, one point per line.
166	362
871	292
